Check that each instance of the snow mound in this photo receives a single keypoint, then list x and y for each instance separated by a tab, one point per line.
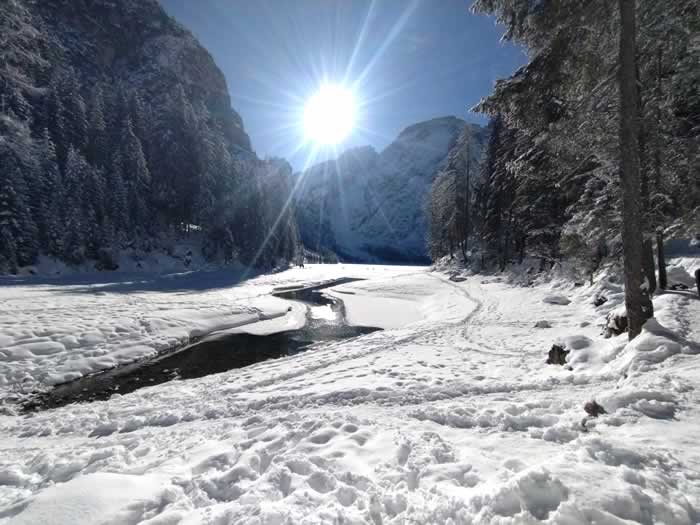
557	299
679	275
89	499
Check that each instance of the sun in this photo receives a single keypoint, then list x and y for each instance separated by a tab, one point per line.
329	115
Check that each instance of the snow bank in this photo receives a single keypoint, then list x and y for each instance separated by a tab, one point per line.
88	499
394	303
556	299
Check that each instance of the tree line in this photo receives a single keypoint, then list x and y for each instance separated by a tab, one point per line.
593	148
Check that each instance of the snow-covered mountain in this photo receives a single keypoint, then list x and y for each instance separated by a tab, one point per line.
370	206
117	136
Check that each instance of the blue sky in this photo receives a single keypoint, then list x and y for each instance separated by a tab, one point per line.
406	60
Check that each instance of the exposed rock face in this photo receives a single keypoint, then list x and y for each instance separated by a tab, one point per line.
136	42
594	409
370	206
557	355
616	322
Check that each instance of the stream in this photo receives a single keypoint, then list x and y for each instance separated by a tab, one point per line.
214	353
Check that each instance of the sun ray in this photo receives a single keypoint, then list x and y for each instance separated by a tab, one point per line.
398	26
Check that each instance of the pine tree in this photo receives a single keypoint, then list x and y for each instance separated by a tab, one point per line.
19	230
637	300
50	222
97	151
178	163
138	179
76	123
117	212
75	223
56	121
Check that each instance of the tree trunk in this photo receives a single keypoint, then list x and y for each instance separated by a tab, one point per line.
467	211
657	145
661	259
648	265
637	299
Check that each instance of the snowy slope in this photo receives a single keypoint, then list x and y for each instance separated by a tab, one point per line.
451	417
369	206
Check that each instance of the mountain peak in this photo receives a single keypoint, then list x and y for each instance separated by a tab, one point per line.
421	130
369	206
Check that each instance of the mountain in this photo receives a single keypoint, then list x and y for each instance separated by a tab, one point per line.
370	206
117	133
137	43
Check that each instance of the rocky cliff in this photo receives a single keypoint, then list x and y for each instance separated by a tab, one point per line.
136	43
370	206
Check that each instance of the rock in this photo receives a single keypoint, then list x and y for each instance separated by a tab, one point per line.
556	299
557	355
599	299
543	324
616	322
584	324
677	275
593	409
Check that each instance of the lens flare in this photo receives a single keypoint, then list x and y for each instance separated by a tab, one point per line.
329	115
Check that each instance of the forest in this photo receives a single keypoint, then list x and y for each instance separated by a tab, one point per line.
95	162
551	182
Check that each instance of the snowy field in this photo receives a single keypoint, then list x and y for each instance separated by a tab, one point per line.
450	415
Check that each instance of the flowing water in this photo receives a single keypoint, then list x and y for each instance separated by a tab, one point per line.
213	354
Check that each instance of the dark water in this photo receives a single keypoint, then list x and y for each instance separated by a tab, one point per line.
210	355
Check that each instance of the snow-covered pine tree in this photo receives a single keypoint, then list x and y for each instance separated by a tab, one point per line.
75	114
137	178
117	203
50	221
97	140
17	158
563	107
76	226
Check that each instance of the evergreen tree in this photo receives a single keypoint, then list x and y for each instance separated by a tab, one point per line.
56	121
97	152
138	179
50	223
19	233
76	123
117	204
637	301
74	218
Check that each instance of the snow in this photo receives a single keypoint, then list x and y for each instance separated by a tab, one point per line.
87	499
449	415
53	330
556	299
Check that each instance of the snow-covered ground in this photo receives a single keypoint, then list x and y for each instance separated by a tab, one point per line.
450	415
